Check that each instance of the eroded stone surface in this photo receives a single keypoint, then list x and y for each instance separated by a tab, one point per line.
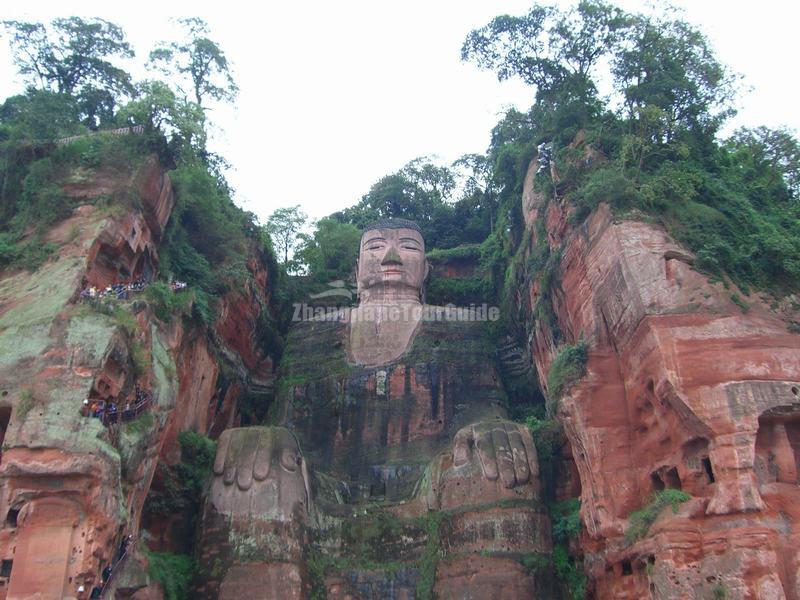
683	389
70	487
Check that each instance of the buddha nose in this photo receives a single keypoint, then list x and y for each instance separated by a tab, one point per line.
392	256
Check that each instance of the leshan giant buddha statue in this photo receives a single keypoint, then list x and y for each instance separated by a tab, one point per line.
389	419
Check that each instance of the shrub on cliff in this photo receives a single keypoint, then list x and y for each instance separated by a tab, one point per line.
639	521
166	303
179	489
567	368
173	571
651	145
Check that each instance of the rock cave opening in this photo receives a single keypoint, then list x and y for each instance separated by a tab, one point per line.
5	418
11	517
665	478
698	472
777	451
627	568
706	462
656	481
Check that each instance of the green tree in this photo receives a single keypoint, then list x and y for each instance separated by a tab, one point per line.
421	191
768	157
198	59
284	226
331	251
73	56
555	51
667	63
157	107
40	114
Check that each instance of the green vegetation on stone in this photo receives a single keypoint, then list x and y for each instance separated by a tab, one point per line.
443	255
570	572
566	519
737	300
173	571
548	436
567	368
141	424
733	202
639	521
181	487
461	291
719	592
430	556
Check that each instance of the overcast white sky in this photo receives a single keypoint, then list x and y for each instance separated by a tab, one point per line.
334	95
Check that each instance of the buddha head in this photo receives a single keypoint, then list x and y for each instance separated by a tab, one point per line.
391	262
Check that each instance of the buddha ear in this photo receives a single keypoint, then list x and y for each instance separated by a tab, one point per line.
425	281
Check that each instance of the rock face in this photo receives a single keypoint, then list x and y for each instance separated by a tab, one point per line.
70	487
684	389
413	481
416	483
402	477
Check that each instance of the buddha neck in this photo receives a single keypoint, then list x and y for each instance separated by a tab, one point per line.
378	295
380	332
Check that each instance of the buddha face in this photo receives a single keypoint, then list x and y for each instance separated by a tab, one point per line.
391	264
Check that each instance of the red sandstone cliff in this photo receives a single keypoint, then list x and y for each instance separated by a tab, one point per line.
70	487
684	389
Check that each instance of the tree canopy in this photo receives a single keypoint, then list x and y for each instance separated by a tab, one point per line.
284	226
199	60
73	56
651	146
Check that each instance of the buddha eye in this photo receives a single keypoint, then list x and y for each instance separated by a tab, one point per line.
414	248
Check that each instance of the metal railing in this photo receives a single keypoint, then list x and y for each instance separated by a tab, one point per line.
117	568
110	413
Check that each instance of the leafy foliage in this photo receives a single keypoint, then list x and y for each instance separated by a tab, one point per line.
284	226
31	197
732	203
552	50
72	56
199	59
570	572
166	303
566	519
330	253
567	368
639	521
157	107
173	571
39	115
461	291
430	556
180	488
424	192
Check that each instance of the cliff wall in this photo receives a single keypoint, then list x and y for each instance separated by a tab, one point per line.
71	486
689	385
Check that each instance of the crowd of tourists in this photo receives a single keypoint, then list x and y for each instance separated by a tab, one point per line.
121	291
113	412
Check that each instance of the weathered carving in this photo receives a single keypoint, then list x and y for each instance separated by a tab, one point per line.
260	472
406	412
391	273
